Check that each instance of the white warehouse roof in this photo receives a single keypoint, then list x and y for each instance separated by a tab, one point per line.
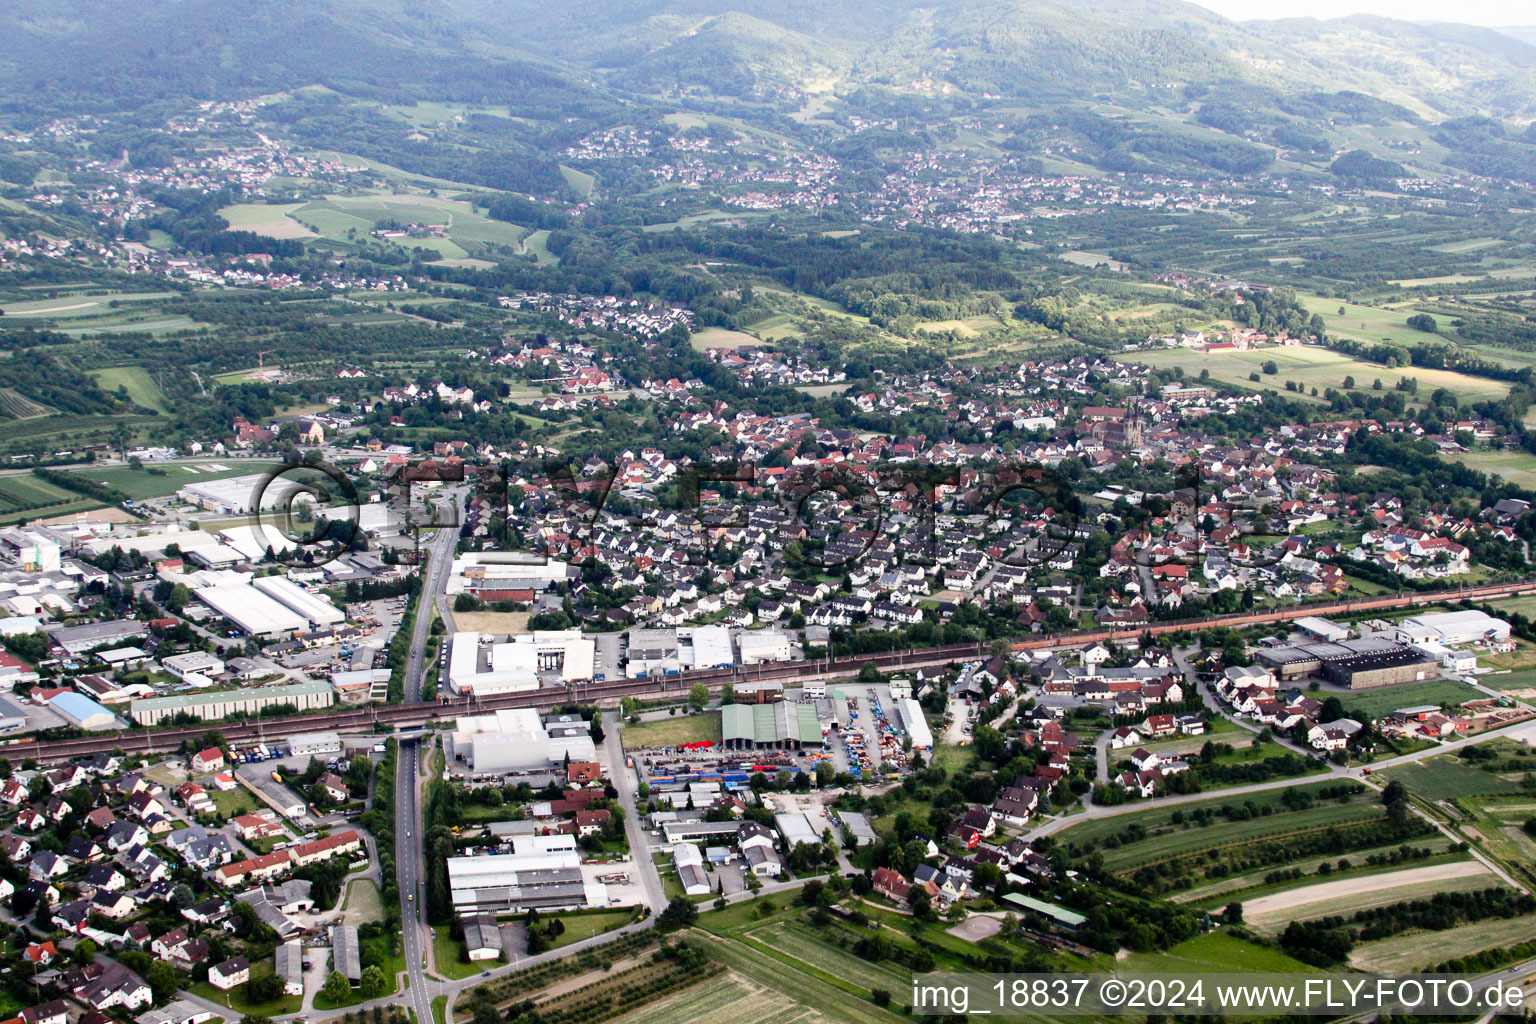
916	725
252	610
315	609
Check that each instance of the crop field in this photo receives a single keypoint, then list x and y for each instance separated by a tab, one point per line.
1418	950
719	337
669	732
18	406
1251	885
64	431
140	484
141	387
1515	467
798	941
1213	953
1270	914
24	491
1497	827
1311	366
1447	777
462	223
1156	819
1383	700
1230	833
73	307
805	989
730	998
1366	323
271	220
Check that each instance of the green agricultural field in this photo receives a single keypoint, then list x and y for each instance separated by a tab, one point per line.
584	926
1251	885
789	982
1158	817
801	943
1227	833
273	221
17	406
669	732
141	387
462	223
730	998
1366	323
58	433
1420	950
538	244
1386	699
1214	953
1498	828
719	337
1447	777
580	181
1518	467
140	484
1311	366
1343	897
23	492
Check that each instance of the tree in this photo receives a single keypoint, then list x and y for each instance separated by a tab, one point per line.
870	673
373	984
921	904
162	980
698	696
680	913
263	988
337	988
1423	322
85	952
1234	913
1270	367
1349	383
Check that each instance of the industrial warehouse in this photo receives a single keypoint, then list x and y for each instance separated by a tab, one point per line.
518	740
780	726
481	669
542	873
1357	664
249	701
1452	628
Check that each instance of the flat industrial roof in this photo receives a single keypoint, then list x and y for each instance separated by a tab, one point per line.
191	700
252	610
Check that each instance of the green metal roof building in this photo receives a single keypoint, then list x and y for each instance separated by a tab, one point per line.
780	726
1066	919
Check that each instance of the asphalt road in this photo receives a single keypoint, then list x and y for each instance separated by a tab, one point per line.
409	868
410	854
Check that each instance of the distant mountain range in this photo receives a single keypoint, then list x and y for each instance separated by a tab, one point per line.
1132	52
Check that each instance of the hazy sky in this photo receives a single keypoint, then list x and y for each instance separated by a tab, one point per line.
1472	12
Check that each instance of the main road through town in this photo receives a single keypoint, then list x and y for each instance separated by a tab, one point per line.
410	857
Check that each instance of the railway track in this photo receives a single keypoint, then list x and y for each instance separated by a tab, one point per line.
366	719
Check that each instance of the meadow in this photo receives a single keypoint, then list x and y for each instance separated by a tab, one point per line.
1419	950
1311	367
1224	833
140	484
1159	818
669	732
141	387
1385	699
1516	467
1447	777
